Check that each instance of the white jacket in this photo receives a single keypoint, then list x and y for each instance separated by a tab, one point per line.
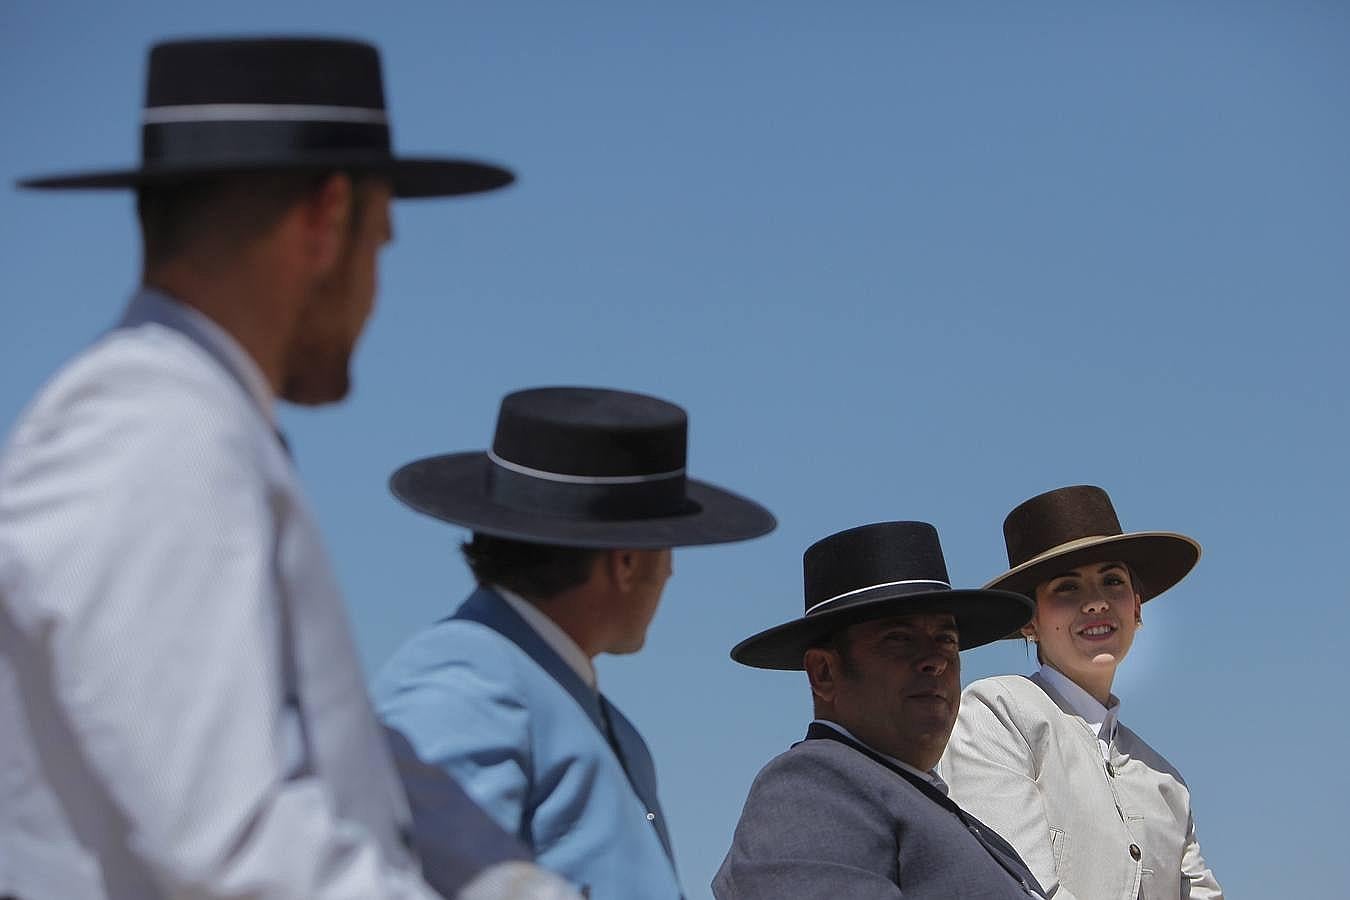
1028	767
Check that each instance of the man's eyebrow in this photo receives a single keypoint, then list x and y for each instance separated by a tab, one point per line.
917	626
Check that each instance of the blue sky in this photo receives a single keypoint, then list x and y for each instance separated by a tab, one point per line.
899	261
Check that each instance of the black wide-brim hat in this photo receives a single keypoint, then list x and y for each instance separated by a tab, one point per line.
872	572
582	467
236	106
1075	526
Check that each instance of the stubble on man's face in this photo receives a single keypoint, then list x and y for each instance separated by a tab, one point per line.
318	360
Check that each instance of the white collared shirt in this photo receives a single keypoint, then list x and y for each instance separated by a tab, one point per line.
154	306
552	634
930	776
1101	719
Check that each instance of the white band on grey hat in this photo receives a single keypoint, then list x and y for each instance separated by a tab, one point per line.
261	112
580	479
873	587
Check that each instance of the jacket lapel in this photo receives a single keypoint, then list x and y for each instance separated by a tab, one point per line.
485	607
1002	852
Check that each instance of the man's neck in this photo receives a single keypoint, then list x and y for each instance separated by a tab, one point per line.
245	302
577	614
552	633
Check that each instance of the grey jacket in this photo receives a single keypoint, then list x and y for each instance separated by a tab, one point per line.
829	819
1031	768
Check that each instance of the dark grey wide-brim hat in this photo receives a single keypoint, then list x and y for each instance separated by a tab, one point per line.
275	104
872	572
582	467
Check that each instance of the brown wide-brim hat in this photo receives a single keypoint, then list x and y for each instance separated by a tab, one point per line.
1075	526
218	107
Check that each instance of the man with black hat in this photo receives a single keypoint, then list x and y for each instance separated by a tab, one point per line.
573	510
182	709
855	810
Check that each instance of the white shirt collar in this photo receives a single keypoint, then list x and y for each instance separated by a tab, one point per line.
152	305
1102	719
930	776
554	636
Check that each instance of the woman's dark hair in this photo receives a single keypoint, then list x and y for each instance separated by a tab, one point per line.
535	571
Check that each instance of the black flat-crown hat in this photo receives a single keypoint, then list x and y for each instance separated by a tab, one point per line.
582	467
229	106
874	571
1077	525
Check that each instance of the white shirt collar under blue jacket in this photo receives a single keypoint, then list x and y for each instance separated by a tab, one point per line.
1101	719
930	776
152	305
554	636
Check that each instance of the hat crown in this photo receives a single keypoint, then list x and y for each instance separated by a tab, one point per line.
870	556
299	71
1055	518
592	432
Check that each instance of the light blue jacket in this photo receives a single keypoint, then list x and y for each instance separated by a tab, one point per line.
481	696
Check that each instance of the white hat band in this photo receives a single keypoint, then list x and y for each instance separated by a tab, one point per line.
872	587
581	479
261	112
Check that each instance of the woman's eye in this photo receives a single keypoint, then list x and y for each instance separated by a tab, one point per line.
1065	587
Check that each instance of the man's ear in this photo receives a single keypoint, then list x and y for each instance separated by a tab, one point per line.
822	668
323	220
621	566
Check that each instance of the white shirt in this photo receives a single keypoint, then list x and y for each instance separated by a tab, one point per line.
930	776
552	635
1101	719
182	710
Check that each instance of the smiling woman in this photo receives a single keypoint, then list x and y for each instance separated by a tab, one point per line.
1093	810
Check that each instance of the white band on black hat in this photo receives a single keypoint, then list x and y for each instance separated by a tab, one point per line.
872	587
262	112
581	479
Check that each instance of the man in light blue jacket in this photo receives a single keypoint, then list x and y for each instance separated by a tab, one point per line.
574	511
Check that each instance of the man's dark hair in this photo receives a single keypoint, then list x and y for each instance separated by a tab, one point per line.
841	642
228	209
534	571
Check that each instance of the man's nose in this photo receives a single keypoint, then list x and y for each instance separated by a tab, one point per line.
933	663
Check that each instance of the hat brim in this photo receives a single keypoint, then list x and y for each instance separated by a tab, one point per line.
453	487
411	177
1159	558
982	616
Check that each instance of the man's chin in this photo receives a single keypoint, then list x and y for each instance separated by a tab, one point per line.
315	391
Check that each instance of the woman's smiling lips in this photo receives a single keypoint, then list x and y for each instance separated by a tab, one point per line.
1097	631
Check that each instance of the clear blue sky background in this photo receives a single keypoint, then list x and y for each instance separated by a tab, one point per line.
898	260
